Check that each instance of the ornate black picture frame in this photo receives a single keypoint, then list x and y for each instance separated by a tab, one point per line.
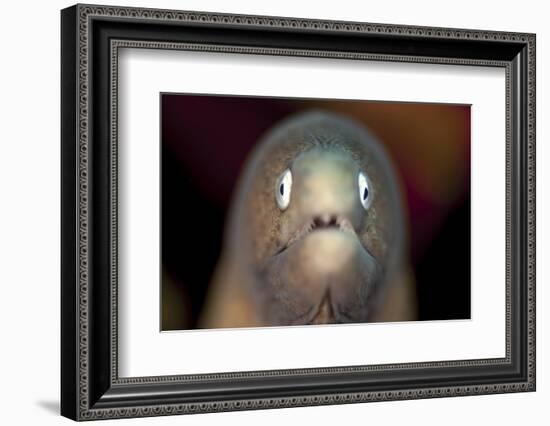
90	38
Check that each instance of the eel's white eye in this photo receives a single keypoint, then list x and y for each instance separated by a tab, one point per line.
364	191
282	192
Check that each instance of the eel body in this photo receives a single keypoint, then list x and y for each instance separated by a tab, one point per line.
316	232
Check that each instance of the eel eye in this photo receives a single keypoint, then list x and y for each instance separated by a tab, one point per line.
282	192
365	195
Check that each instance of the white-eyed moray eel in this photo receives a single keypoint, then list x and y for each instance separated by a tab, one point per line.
316	232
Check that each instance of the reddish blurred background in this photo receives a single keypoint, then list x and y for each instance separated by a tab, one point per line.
206	140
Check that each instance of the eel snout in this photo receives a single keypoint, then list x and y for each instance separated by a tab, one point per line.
319	223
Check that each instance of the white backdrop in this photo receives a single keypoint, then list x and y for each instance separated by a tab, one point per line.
143	351
29	214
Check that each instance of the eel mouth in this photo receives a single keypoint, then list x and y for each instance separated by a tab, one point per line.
327	276
319	223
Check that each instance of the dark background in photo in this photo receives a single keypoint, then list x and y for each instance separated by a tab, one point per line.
205	141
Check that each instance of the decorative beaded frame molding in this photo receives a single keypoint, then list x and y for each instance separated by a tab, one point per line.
81	399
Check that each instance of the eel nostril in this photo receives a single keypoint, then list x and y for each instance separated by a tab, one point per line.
325	221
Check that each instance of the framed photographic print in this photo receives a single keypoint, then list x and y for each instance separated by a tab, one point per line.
264	212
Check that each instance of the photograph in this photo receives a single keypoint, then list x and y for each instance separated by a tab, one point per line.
291	211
